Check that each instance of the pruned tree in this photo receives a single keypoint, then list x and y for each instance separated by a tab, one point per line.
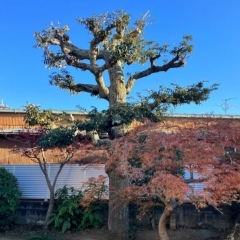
118	43
47	140
160	155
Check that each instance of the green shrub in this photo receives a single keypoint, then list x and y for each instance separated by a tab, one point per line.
9	199
69	215
91	217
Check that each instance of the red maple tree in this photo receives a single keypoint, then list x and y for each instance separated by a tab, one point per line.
155	159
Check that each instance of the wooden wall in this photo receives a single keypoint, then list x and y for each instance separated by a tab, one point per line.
16	120
11	120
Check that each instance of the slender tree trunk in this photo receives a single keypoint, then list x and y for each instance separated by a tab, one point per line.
50	208
164	219
118	215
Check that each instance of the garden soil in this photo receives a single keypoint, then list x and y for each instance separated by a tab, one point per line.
35	233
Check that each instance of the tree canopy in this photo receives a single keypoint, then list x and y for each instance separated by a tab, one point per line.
119	42
166	161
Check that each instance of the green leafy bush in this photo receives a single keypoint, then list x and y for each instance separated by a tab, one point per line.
9	199
69	215
91	217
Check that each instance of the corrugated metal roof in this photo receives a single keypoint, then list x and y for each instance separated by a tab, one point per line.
204	116
54	111
185	115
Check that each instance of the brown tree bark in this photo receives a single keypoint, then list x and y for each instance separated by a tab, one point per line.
118	215
117	89
50	208
164	219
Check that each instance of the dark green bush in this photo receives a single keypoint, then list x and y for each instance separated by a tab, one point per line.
91	217
69	215
9	199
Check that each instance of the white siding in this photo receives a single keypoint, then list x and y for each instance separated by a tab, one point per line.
32	183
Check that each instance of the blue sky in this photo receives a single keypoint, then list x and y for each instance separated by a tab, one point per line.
215	26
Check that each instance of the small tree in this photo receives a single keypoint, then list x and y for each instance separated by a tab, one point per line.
159	156
49	139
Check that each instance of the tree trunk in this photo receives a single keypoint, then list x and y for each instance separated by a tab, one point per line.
118	215
117	89
162	230
50	208
118	209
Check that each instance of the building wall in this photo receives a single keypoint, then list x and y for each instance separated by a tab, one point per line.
32	183
34	212
14	119
11	119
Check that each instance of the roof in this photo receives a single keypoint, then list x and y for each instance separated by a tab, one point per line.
17	131
170	115
204	116
54	111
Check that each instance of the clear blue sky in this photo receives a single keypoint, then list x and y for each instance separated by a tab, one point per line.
215	26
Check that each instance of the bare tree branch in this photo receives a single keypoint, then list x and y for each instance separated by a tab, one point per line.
174	63
65	161
72	61
103	90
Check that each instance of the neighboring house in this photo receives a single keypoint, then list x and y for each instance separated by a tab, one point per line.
11	121
31	180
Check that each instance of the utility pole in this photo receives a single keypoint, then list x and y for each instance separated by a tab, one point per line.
225	106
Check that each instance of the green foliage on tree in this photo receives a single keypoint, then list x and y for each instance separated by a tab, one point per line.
59	137
9	199
45	118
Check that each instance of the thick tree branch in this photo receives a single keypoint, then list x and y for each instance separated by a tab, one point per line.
174	63
107	65
80	87
99	36
68	47
103	90
80	54
72	61
129	85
